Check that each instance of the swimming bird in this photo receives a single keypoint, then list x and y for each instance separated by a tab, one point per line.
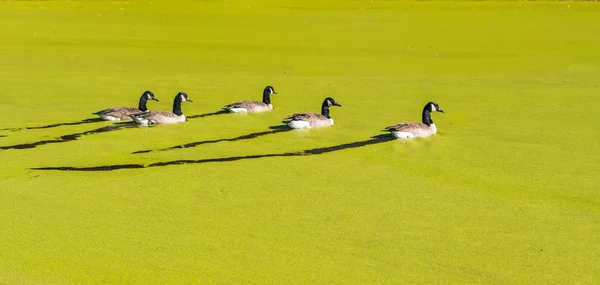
250	106
312	120
427	128
164	117
122	113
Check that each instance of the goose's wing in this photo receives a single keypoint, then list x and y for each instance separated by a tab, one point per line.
248	104
118	111
310	117
155	115
408	127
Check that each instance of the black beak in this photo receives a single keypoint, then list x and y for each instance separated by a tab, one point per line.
440	110
155	99
336	104
189	100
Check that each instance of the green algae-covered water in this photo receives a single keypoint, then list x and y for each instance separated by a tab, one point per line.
505	193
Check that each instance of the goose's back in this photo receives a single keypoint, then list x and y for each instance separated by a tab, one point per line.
251	106
417	129
315	120
121	113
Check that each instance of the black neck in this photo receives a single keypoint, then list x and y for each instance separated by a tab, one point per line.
427	116
177	106
267	96
325	110
142	105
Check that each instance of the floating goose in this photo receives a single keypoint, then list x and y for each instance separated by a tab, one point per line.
122	113
250	106
427	128
312	120
164	117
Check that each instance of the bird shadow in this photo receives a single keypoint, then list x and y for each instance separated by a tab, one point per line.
272	130
307	152
96	120
279	127
114	127
69	137
84	121
382	136
220	112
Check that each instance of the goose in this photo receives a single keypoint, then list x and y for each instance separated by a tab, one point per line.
163	117
122	113
250	106
312	120
427	128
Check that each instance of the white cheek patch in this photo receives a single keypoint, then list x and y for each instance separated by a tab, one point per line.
183	99
433	108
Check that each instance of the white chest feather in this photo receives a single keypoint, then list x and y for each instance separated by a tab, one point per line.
402	135
433	129
299	124
238	110
109	118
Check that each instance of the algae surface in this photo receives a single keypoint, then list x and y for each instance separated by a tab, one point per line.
505	193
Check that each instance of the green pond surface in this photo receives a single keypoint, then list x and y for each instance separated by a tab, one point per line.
507	192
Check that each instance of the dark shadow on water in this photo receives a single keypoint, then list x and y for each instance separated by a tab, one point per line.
314	151
86	121
383	136
127	124
220	112
279	127
75	136
68	138
194	144
93	168
95	120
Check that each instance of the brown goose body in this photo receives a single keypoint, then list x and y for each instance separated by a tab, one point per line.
249	106
414	128
312	120
118	113
123	113
252	106
164	117
427	128
158	117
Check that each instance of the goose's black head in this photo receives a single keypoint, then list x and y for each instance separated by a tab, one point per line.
330	102
430	107
150	96
183	97
433	107
326	104
180	97
147	95
269	90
